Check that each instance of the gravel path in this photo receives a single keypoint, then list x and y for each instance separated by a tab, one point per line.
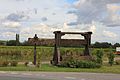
57	76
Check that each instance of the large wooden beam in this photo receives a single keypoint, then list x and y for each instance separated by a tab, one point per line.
73	42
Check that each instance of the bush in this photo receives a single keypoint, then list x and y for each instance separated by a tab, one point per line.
38	64
79	64
117	62
4	63
99	56
88	64
13	63
26	63
11	43
111	57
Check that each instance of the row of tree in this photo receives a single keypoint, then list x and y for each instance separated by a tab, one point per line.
94	45
104	45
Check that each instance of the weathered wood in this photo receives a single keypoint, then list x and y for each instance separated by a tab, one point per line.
41	42
63	42
34	61
58	42
68	42
35	39
73	42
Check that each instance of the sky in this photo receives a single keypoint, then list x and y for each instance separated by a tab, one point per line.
43	17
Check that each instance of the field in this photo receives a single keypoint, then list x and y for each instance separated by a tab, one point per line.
25	53
22	53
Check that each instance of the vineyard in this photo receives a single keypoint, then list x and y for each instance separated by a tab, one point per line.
25	53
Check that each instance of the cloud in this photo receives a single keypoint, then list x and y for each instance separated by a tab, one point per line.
110	34
44	19
103	11
113	18
8	34
92	28
17	17
72	23
11	24
20	0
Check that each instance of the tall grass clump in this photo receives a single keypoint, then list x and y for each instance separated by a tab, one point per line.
99	56
111	57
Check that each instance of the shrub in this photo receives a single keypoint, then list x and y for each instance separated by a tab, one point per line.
99	56
38	64
79	64
13	63
117	62
88	64
72	63
26	63
111	58
4	63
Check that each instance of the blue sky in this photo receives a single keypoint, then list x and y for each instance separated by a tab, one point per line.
42	17
71	1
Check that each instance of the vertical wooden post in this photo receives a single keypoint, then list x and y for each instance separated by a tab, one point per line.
88	39
56	57
35	39
34	62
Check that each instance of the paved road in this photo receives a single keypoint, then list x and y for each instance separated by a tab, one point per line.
57	76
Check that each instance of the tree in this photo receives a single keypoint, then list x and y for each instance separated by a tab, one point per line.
11	43
25	43
2	42
116	45
17	40
102	45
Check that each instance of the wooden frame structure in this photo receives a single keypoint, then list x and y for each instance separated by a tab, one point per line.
60	42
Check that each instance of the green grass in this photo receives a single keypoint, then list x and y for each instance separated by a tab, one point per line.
50	68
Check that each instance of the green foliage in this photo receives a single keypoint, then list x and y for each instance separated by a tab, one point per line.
11	43
39	59
116	45
73	60
25	53
99	56
88	64
117	62
26	63
79	64
4	63
101	45
2	42
13	63
25	43
111	57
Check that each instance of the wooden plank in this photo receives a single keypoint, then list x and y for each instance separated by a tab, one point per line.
73	42
63	42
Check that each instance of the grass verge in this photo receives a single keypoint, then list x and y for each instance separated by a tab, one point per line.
50	68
